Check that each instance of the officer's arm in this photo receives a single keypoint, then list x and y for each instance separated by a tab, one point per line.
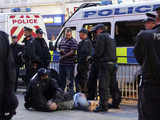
99	46
34	55
139	49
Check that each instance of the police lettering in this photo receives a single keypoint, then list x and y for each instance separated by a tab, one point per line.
24	21
120	11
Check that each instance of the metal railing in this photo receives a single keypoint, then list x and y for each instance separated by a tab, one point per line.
126	77
128	82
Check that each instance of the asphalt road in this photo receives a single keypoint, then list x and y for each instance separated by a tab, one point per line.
125	113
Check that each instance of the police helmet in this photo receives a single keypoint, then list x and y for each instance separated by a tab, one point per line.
97	27
27	29
150	17
39	31
43	71
83	30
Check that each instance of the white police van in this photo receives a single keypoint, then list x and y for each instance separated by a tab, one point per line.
123	22
13	23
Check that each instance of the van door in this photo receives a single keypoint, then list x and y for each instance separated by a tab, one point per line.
17	21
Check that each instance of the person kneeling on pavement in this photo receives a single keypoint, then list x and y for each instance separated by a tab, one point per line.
40	92
44	94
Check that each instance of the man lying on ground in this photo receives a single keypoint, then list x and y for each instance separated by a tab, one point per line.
44	94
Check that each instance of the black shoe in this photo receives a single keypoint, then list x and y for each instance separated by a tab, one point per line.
111	106
100	109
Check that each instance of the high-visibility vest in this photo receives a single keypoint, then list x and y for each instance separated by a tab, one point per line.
51	53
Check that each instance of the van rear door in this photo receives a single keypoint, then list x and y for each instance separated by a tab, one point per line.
17	22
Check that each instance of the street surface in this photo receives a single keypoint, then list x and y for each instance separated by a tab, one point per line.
125	113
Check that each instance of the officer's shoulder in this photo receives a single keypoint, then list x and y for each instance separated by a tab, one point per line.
144	33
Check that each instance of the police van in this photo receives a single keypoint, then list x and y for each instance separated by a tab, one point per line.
123	22
13	23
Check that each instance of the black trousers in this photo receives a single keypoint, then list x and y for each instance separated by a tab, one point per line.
92	82
114	89
92	85
17	76
105	72
149	102
82	77
30	72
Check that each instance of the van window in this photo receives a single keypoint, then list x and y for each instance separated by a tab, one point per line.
91	25
126	32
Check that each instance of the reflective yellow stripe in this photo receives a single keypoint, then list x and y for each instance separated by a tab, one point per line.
121	52
51	53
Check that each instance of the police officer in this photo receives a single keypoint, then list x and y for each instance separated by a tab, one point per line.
16	49
29	54
84	52
105	57
41	50
149	23
147	54
8	100
42	89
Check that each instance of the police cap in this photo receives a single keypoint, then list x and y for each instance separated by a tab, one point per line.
43	71
97	27
27	29
158	8
83	30
39	31
14	37
150	17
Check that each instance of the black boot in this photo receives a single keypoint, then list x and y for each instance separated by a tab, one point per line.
112	106
101	109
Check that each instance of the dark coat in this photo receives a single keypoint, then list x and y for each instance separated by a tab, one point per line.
42	52
16	49
104	48
29	49
147	51
8	100
84	50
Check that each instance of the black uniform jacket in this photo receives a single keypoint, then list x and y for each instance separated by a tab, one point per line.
42	52
104	48
84	50
8	100
147	51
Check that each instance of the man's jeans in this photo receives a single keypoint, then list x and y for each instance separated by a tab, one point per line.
66	73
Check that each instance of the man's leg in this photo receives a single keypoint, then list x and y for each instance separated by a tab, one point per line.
62	73
114	90
150	102
92	82
77	79
104	82
70	76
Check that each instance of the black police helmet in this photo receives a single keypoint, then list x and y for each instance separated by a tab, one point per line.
150	17
157	8
83	30
39	31
14	37
97	27
27	29
42	71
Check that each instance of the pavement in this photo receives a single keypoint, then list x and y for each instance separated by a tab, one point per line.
125	113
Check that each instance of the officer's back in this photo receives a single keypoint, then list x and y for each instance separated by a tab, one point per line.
148	47
105	43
